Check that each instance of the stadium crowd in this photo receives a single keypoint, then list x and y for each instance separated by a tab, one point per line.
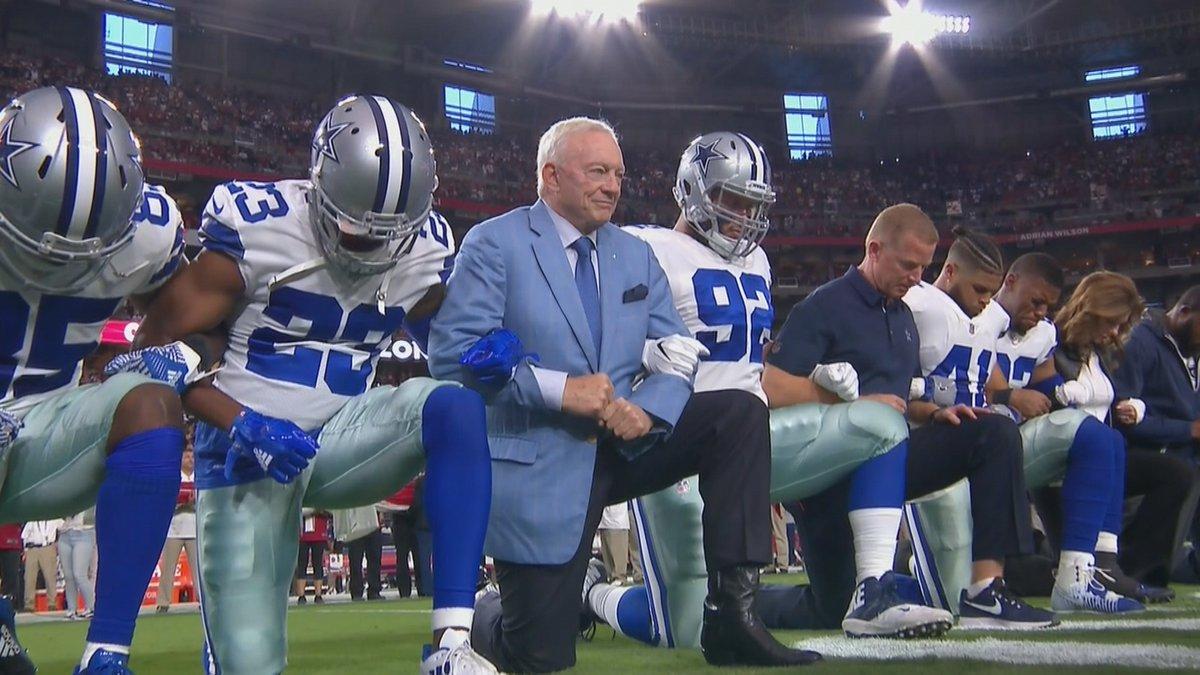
1142	178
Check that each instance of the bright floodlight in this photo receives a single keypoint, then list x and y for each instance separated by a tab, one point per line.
912	25
608	9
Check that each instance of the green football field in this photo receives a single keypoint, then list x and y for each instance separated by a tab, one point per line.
386	637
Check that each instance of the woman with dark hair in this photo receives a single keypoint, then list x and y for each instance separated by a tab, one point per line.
1093	327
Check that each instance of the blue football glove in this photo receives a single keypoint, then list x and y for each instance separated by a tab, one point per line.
495	356
280	448
176	365
9	427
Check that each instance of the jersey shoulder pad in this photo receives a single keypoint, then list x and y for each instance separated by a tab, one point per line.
921	296
994	319
438	234
156	250
237	207
1046	335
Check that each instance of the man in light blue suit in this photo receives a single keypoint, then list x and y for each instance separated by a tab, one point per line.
570	433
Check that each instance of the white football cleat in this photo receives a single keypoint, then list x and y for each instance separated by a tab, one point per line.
455	655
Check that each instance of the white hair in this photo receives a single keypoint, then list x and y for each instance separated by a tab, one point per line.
551	143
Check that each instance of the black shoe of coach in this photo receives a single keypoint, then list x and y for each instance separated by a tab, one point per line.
733	634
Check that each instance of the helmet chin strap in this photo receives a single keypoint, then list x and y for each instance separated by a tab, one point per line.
297	272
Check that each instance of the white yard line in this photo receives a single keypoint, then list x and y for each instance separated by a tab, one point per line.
1013	652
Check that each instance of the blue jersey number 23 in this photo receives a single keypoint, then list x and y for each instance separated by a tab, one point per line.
721	304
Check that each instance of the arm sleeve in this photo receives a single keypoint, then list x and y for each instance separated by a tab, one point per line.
803	341
220	230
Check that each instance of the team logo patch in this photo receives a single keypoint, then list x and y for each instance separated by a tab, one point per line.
323	141
9	149
705	154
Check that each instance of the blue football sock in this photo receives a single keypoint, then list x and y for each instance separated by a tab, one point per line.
458	493
1087	487
879	482
1116	499
633	615
133	511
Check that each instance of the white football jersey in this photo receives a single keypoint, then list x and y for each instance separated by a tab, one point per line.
954	345
725	304
301	347
45	337
1017	355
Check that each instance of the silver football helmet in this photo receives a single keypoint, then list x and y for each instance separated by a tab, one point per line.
716	170
70	181
373	178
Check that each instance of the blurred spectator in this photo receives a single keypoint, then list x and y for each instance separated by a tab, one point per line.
41	556
614	541
363	540
77	551
314	542
404	537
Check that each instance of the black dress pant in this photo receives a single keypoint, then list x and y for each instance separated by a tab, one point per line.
1168	486
371	547
404	537
986	451
724	437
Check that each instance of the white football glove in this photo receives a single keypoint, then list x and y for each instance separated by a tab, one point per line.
935	388
840	379
1072	393
673	355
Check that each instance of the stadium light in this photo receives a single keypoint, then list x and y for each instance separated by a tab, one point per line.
911	25
606	9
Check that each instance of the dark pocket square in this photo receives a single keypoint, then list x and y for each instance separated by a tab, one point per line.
636	293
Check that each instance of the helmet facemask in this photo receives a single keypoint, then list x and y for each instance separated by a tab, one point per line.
386	237
709	215
56	264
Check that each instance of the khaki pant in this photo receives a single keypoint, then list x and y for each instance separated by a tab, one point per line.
166	568
635	554
614	546
779	534
45	560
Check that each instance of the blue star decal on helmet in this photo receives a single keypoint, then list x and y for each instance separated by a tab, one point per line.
705	154
323	141
9	149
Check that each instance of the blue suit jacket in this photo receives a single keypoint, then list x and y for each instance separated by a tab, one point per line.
512	272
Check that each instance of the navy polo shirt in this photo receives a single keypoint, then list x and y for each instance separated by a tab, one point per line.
848	320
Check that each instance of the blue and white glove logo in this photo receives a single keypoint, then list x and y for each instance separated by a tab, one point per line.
175	365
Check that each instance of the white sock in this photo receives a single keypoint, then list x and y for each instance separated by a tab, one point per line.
454	637
453	617
978	587
1068	562
603	600
93	647
1106	542
874	540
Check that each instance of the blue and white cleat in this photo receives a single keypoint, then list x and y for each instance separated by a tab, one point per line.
997	607
878	610
1082	592
13	657
455	656
104	662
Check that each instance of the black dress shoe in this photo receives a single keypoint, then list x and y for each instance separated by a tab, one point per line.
733	634
1112	577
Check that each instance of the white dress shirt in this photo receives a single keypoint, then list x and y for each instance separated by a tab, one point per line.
551	382
41	532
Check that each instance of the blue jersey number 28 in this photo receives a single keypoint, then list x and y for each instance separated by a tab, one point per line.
721	305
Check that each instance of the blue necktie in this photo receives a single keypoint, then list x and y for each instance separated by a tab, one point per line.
585	283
